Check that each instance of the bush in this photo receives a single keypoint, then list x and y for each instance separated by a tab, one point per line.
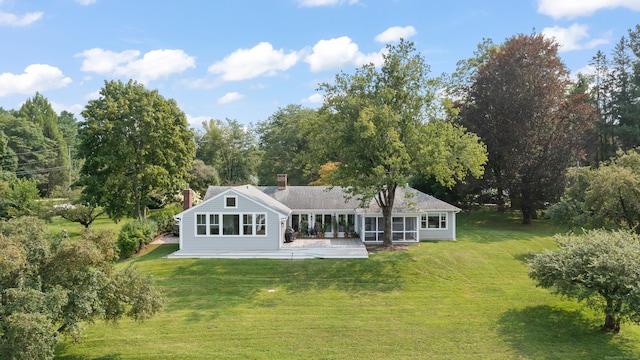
164	218
134	236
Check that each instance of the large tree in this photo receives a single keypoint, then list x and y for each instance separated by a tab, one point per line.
48	288
378	118
598	267
137	148
231	148
533	128
39	111
285	141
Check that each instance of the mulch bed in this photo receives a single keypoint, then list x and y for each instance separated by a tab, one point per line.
376	248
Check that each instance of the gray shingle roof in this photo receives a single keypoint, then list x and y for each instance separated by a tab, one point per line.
408	200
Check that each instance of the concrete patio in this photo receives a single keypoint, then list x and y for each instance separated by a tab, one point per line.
327	248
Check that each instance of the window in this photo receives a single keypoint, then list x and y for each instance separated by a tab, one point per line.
247	224
434	221
403	228
231	224
201	224
261	220
230	202
214	224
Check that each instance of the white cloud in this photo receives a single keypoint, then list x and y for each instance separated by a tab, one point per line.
75	109
315	99
36	77
153	65
262	59
230	97
9	19
86	2
316	3
197	120
395	33
335	54
575	8
575	37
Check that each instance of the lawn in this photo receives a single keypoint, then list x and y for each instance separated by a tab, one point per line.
469	299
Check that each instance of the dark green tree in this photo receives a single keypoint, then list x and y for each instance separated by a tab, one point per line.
285	142
232	149
379	121
202	176
38	110
137	148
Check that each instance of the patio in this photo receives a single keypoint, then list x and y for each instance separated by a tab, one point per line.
306	248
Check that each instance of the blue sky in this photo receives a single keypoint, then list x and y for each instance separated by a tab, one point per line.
244	59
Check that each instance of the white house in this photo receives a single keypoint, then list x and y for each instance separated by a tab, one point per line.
249	218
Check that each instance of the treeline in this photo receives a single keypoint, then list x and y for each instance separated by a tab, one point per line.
535	119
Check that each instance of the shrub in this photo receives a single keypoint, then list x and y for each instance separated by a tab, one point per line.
134	236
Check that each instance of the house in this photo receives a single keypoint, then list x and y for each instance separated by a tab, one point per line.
247	218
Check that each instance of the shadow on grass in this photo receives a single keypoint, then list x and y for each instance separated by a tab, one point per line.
545	332
206	284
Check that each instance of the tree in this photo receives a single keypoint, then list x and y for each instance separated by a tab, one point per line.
378	121
81	213
599	267
137	146
20	198
603	197
231	148
285	140
38	110
48	289
519	106
29	151
202	176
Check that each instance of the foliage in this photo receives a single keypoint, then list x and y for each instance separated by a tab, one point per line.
203	176
325	174
285	140
137	148
599	267
518	104
47	291
38	110
164	218
81	213
231	149
135	235
29	152
481	305
21	198
605	196
378	121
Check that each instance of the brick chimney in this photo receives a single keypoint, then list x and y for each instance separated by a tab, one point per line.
187	200
282	181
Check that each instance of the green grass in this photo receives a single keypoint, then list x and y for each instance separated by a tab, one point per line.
469	299
74	230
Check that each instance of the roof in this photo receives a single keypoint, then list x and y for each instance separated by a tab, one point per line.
408	200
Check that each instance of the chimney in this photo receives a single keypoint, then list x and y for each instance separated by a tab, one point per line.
282	181
187	198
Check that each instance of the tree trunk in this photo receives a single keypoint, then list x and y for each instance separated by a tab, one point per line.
527	214
385	200
387	239
611	324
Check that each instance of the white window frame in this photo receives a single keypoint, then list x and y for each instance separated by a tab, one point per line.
258	224
235	202
443	217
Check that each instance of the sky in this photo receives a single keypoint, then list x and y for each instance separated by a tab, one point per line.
245	59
